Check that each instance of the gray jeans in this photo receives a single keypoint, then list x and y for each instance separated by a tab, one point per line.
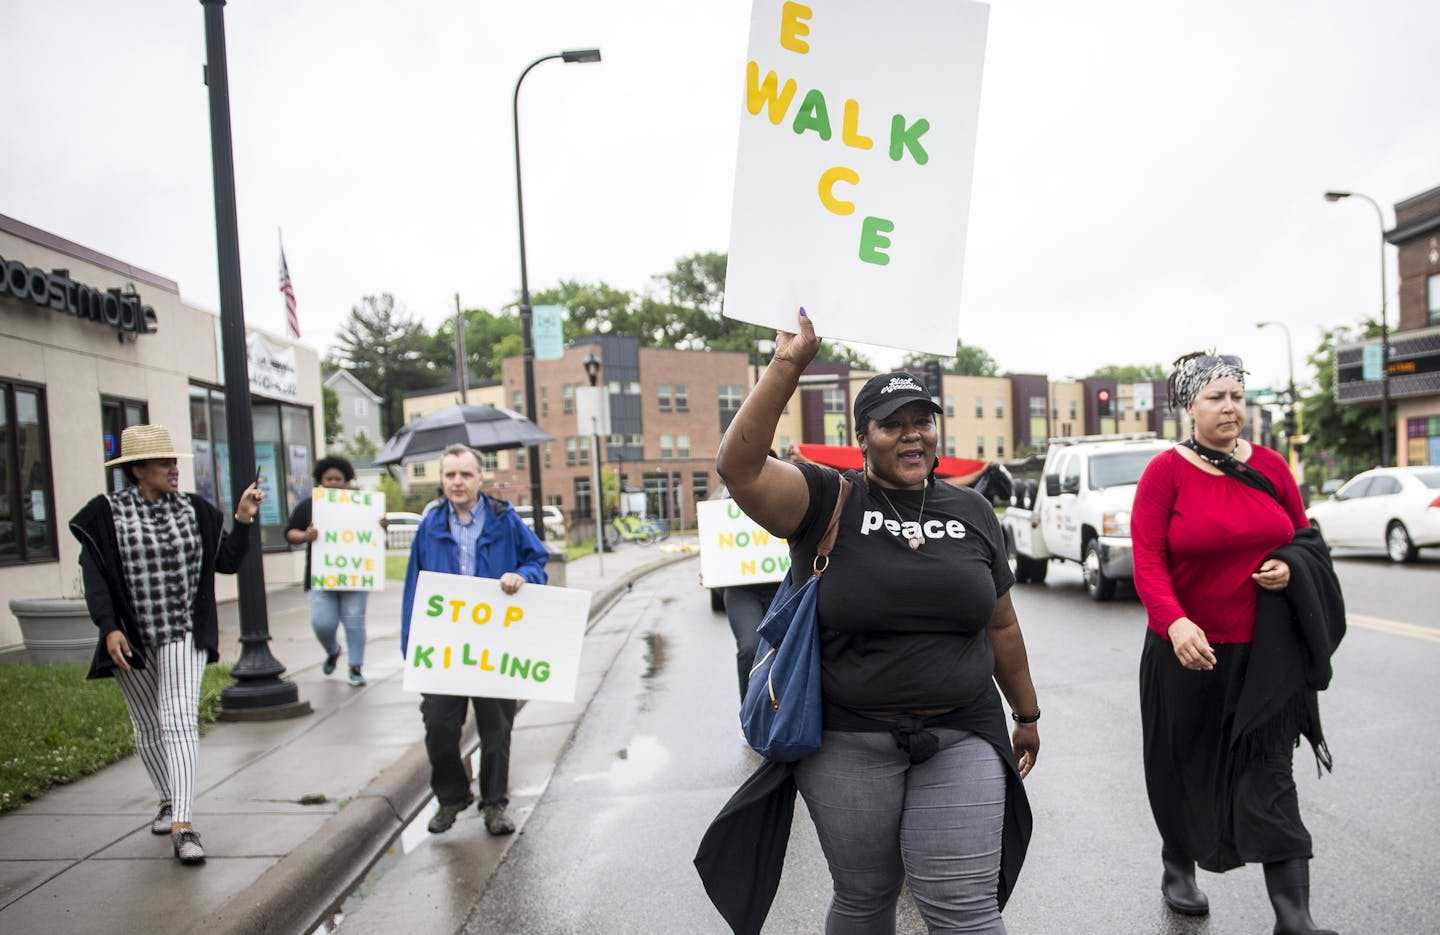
883	820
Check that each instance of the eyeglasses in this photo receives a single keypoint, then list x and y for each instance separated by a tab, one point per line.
1206	361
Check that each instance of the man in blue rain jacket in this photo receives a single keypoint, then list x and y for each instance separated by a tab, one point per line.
470	534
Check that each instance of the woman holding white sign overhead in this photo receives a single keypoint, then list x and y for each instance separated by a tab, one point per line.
916	779
329	609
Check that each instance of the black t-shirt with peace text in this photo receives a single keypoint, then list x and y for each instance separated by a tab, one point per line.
903	629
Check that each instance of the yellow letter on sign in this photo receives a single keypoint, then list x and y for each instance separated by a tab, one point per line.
792	29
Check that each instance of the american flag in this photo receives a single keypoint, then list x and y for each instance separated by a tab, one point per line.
291	319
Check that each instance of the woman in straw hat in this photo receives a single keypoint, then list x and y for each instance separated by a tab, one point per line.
149	555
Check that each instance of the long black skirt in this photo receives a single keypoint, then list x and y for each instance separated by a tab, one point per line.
1209	805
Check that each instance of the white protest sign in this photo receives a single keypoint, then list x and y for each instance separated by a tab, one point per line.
349	552
468	637
735	550
1144	397
852	181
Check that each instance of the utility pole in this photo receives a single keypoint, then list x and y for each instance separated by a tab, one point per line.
460	351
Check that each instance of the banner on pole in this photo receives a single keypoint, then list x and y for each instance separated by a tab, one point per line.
469	638
852	180
349	554
735	550
548	332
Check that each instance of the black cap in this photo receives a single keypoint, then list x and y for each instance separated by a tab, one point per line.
882	395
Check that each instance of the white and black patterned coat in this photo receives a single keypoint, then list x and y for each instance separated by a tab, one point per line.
107	598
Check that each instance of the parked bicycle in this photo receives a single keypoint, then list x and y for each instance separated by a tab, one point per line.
628	529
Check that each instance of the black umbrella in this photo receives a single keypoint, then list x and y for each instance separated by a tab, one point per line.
484	428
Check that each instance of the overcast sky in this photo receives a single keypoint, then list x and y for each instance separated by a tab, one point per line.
1148	177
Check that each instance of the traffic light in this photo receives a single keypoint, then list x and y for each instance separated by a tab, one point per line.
1290	423
1102	403
932	378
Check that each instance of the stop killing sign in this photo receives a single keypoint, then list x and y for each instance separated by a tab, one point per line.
852	179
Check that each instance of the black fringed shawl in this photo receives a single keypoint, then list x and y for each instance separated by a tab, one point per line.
1296	632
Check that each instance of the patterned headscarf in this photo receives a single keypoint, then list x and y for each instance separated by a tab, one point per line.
1195	370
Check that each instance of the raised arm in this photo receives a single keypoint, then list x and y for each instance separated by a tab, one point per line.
771	492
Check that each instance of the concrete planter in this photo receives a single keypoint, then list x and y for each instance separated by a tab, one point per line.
56	630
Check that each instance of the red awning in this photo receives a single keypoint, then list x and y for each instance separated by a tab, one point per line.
846	457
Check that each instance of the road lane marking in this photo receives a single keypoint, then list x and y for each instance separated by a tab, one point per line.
1380	624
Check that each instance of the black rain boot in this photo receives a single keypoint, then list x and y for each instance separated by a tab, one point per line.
1178	887
1288	883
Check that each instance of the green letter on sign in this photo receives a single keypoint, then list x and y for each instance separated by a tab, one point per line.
873	240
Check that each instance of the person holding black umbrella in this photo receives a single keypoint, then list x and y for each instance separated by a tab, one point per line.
471	534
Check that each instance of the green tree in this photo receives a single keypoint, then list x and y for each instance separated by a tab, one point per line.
331	405
394	496
1132	373
969	361
486	335
385	348
839	350
361	448
1344	437
592	308
609	491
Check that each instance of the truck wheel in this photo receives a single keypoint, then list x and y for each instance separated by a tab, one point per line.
1097	584
1013	559
1032	568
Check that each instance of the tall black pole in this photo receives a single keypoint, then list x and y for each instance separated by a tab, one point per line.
527	336
258	691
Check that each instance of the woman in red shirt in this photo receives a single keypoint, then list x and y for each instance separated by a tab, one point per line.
1202	538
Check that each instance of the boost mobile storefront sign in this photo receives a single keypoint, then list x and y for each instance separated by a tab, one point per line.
56	290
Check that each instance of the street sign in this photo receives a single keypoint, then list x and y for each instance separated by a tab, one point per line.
1143	397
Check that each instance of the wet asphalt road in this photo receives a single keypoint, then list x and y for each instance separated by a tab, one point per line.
609	847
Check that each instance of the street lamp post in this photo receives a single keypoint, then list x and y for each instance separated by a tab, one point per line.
592	371
259	692
578	56
1384	328
1290	392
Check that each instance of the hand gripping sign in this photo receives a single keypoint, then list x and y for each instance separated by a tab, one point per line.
735	550
469	638
349	551
852	180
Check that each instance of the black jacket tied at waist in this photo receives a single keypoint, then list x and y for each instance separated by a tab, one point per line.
1296	632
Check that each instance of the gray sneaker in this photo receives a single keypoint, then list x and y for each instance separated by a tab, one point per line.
163	819
496	821
445	816
187	847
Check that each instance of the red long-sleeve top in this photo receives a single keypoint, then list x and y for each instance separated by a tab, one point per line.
1199	536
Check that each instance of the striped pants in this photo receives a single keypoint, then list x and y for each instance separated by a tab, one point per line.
164	703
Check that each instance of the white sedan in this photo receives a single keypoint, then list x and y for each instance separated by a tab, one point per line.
1397	509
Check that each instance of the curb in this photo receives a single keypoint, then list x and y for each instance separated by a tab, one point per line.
307	886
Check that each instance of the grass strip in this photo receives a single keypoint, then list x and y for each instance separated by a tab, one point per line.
56	726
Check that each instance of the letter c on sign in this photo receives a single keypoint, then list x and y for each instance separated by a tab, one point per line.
828	178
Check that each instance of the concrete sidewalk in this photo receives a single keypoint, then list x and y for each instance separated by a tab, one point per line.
82	859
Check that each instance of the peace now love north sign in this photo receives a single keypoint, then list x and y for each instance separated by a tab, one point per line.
852	182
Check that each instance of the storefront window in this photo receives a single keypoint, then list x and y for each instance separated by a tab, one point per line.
284	454
116	415
27	502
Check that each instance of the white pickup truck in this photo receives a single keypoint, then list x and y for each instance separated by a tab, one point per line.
1081	510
